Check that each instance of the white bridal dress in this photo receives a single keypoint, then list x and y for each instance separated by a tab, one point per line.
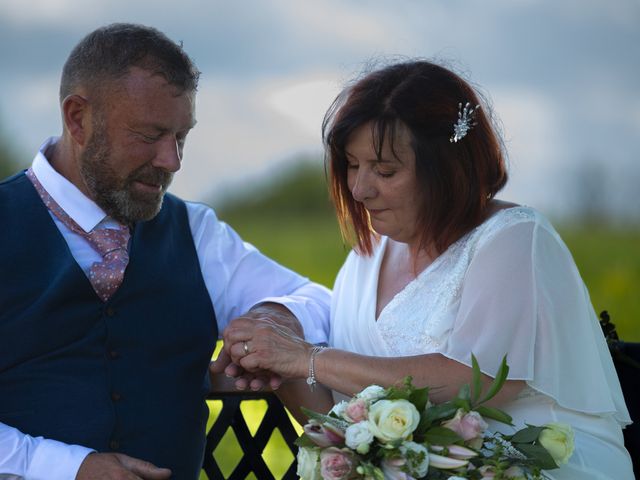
509	286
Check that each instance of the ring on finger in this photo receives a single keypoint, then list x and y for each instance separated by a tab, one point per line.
245	347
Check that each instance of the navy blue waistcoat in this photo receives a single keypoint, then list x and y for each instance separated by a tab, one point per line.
129	375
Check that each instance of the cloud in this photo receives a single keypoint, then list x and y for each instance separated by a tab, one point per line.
563	75
47	12
303	100
535	147
242	134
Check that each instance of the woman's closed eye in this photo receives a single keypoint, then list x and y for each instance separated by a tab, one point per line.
385	173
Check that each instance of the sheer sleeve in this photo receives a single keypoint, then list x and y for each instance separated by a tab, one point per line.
523	297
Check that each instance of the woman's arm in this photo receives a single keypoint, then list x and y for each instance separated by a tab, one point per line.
296	393
279	350
349	373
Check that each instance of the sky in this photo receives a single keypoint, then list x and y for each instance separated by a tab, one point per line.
562	78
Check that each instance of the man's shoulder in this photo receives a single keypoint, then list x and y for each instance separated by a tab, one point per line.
195	214
11	187
14	179
173	201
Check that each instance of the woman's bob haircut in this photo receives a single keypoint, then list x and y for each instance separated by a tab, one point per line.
458	179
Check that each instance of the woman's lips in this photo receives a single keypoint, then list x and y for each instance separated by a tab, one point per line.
376	211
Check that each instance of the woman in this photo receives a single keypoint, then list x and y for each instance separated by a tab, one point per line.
441	270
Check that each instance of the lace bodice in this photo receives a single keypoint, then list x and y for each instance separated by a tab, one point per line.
418	318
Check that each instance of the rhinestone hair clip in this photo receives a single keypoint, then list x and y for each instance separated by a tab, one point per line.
466	121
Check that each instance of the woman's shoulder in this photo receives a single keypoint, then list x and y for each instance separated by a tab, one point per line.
504	214
506	218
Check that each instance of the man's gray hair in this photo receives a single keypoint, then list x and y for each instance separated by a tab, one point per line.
109	52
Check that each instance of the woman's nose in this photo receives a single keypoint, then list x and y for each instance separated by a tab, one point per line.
362	188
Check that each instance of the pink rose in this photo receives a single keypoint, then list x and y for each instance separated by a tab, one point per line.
357	410
469	426
323	435
336	464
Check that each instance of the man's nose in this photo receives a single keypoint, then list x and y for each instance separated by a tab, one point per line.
169	155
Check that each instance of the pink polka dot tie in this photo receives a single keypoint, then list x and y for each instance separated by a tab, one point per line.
105	276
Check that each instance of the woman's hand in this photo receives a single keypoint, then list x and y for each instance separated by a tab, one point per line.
266	345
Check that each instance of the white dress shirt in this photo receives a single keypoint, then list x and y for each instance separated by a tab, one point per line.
236	275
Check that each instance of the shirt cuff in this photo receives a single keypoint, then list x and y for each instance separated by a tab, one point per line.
53	460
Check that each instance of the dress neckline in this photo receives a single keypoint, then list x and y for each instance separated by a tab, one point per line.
436	261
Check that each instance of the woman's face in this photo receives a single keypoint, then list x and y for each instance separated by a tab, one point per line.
386	187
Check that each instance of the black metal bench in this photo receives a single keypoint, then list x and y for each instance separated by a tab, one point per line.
626	359
250	446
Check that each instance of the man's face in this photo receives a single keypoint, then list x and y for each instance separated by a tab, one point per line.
138	133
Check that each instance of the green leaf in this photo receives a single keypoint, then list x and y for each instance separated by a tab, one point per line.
462	403
464	393
322	418
434	413
304	442
476	379
402	392
441	436
442	411
419	397
527	435
538	453
494	414
501	376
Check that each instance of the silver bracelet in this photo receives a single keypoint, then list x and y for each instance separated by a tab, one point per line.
311	379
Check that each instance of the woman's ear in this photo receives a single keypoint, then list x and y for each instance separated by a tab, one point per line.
76	116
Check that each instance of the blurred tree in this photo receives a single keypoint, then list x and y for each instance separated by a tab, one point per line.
300	191
290	218
8	158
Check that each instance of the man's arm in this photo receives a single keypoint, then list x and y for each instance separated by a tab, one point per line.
240	279
37	458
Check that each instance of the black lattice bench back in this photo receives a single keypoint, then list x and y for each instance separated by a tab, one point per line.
246	448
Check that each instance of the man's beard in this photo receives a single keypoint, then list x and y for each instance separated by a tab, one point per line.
114	194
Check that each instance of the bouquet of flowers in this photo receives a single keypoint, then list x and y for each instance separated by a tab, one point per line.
397	433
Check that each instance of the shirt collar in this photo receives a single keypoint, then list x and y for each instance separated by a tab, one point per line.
84	211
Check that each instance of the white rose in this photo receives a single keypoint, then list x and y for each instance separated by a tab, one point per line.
308	464
557	438
391	420
358	437
417	458
339	408
372	393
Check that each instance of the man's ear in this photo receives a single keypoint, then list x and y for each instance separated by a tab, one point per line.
76	116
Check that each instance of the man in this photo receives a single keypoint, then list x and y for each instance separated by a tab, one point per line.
113	293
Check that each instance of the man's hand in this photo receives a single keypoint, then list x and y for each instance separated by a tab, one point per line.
260	346
266	313
116	466
278	314
226	376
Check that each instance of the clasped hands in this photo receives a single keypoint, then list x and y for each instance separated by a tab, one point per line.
262	348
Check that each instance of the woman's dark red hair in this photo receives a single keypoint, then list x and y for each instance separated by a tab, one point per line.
458	179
